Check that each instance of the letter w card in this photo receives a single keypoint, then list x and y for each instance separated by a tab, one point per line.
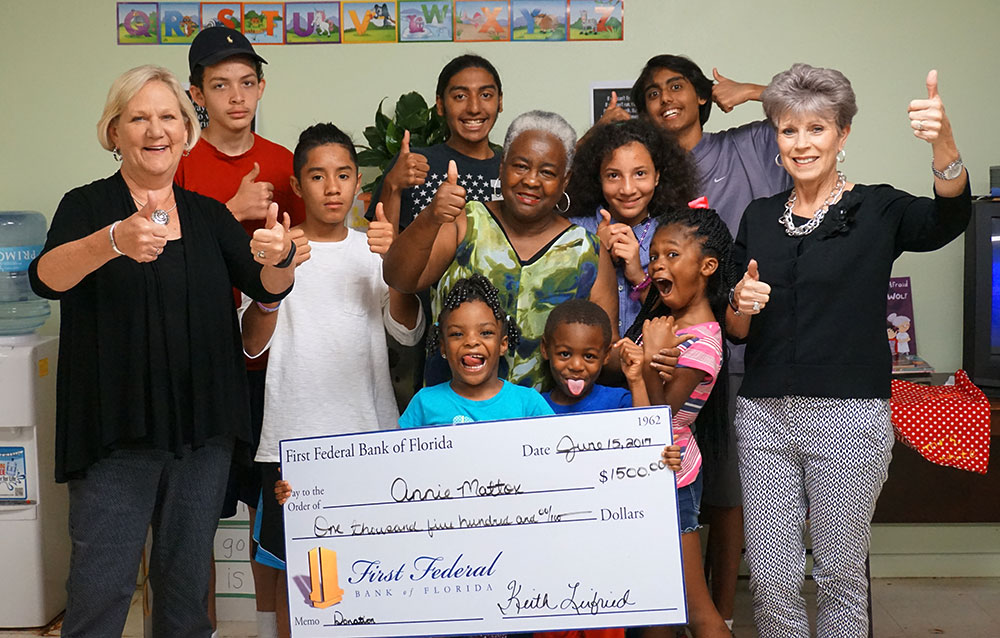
550	523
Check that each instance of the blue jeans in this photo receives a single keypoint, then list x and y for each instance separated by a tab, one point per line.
689	505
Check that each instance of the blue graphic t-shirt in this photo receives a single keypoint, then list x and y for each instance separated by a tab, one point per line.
440	405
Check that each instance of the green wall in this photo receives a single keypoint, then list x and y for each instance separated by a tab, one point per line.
57	61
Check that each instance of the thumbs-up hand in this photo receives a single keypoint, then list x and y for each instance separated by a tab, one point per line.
410	169
252	198
729	94
381	232
138	236
927	117
613	112
449	200
751	294
270	244
604	229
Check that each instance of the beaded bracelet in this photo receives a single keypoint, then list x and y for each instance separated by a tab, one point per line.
637	289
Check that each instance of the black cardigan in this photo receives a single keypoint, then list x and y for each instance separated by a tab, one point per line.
106	374
823	332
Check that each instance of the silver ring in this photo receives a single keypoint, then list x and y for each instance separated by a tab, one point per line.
159	250
756	306
260	253
920	125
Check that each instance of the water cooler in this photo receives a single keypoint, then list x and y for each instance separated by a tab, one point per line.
35	547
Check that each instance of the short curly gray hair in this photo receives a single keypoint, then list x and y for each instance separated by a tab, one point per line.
808	89
546	121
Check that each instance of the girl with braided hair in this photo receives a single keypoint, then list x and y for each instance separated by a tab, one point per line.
691	271
472	333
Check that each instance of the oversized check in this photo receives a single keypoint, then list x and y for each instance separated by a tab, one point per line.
557	522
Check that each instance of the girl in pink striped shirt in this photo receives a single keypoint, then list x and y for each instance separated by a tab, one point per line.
691	271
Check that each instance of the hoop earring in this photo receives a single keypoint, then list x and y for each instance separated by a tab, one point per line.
841	155
115	153
568	202
777	160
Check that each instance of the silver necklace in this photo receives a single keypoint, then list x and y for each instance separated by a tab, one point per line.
799	231
159	216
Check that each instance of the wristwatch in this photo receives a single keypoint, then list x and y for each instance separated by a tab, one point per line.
951	171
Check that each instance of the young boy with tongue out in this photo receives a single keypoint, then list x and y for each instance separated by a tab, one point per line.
577	344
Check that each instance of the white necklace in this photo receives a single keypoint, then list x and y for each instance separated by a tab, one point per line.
798	231
159	216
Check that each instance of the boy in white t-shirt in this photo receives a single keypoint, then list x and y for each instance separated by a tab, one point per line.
328	371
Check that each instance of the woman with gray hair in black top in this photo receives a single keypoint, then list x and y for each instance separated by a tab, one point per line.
812	419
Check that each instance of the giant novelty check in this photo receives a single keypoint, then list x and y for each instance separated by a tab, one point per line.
558	522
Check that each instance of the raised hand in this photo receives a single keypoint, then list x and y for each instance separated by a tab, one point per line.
729	94
252	198
927	117
449	200
410	169
270	244
613	112
138	236
381	232
751	294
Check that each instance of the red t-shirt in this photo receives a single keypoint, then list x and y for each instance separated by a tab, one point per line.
209	171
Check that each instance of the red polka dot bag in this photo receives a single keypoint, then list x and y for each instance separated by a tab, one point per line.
946	424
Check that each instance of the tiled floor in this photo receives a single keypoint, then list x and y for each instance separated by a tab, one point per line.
903	608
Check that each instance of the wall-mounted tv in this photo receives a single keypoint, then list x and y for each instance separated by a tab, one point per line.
981	334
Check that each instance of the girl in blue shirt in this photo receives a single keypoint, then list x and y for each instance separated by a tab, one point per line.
472	333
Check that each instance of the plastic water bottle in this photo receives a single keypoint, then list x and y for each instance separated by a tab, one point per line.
22	234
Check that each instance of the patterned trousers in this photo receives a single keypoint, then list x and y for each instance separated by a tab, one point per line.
825	459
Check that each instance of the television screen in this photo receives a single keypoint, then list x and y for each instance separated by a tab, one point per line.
995	286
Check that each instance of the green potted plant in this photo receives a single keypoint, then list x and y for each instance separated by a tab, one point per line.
411	114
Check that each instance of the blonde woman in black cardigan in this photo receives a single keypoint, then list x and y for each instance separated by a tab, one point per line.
151	392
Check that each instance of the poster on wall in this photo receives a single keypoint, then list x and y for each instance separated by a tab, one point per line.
596	19
179	22
535	20
374	22
222	14
137	23
425	22
367	22
899	317
603	93
312	22
482	21
264	22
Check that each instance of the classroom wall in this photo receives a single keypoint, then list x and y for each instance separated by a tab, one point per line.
58	60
